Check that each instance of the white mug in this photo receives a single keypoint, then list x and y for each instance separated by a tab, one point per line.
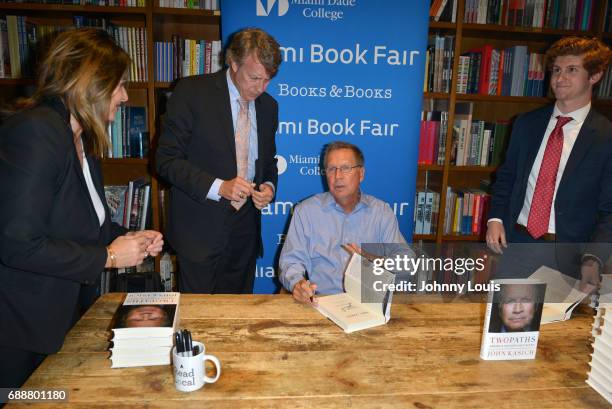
189	371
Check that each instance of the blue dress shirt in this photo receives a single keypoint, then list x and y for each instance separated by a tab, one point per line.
319	227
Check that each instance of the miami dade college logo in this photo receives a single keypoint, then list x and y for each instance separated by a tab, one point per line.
283	7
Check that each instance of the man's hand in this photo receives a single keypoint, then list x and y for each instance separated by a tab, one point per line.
589	275
496	236
354	248
304	292
157	242
262	197
236	189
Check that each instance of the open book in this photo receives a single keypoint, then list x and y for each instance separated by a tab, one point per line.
562	294
366	302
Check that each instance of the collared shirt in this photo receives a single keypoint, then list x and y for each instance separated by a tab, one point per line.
93	193
319	227
570	134
234	95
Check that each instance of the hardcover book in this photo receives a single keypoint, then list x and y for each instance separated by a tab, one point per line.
361	306
145	315
143	329
512	319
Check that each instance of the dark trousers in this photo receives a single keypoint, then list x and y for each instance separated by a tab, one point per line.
525	254
231	270
17	366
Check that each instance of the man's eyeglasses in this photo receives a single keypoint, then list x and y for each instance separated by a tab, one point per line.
344	169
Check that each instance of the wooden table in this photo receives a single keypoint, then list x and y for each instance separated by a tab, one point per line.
277	353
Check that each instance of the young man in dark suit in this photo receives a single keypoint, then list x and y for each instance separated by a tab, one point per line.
556	182
217	150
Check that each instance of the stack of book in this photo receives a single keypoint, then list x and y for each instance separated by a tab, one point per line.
143	330
600	375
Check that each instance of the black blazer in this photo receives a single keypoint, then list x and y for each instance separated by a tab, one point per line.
195	147
583	204
51	241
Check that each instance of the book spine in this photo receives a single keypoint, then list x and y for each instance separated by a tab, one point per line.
484	345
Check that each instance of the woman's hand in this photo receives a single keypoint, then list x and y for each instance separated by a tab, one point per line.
128	250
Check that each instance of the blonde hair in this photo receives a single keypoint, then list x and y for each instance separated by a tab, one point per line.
254	40
82	67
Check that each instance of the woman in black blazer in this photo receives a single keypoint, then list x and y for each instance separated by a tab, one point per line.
56	236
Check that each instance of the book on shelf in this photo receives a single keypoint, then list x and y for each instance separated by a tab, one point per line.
434	127
167	272
22	36
509	72
99	3
128	133
512	319
129	205
443	10
427	207
182	57
563	294
466	211
143	329
360	306
555	14
461	129
191	4
439	63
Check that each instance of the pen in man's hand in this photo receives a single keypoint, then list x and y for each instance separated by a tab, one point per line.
308	282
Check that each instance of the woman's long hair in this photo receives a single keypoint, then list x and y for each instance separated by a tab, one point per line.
82	67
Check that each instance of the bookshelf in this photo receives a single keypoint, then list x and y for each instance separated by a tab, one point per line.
159	24
470	36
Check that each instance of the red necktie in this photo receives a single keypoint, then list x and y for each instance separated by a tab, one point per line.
541	203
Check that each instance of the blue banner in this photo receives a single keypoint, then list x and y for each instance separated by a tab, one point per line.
352	70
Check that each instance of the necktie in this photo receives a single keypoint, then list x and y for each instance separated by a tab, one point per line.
541	203
243	126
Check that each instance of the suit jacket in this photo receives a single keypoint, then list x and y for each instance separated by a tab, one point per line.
197	145
583	203
51	241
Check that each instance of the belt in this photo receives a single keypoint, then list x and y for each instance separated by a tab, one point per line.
545	237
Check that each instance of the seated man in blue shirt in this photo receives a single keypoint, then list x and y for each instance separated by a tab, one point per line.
327	227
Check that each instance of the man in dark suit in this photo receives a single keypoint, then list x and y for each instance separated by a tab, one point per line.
556	182
217	149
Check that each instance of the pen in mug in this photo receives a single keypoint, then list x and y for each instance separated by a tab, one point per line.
184	336
178	342
189	343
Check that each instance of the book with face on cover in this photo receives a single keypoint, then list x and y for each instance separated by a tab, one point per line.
365	303
512	320
144	315
143	329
